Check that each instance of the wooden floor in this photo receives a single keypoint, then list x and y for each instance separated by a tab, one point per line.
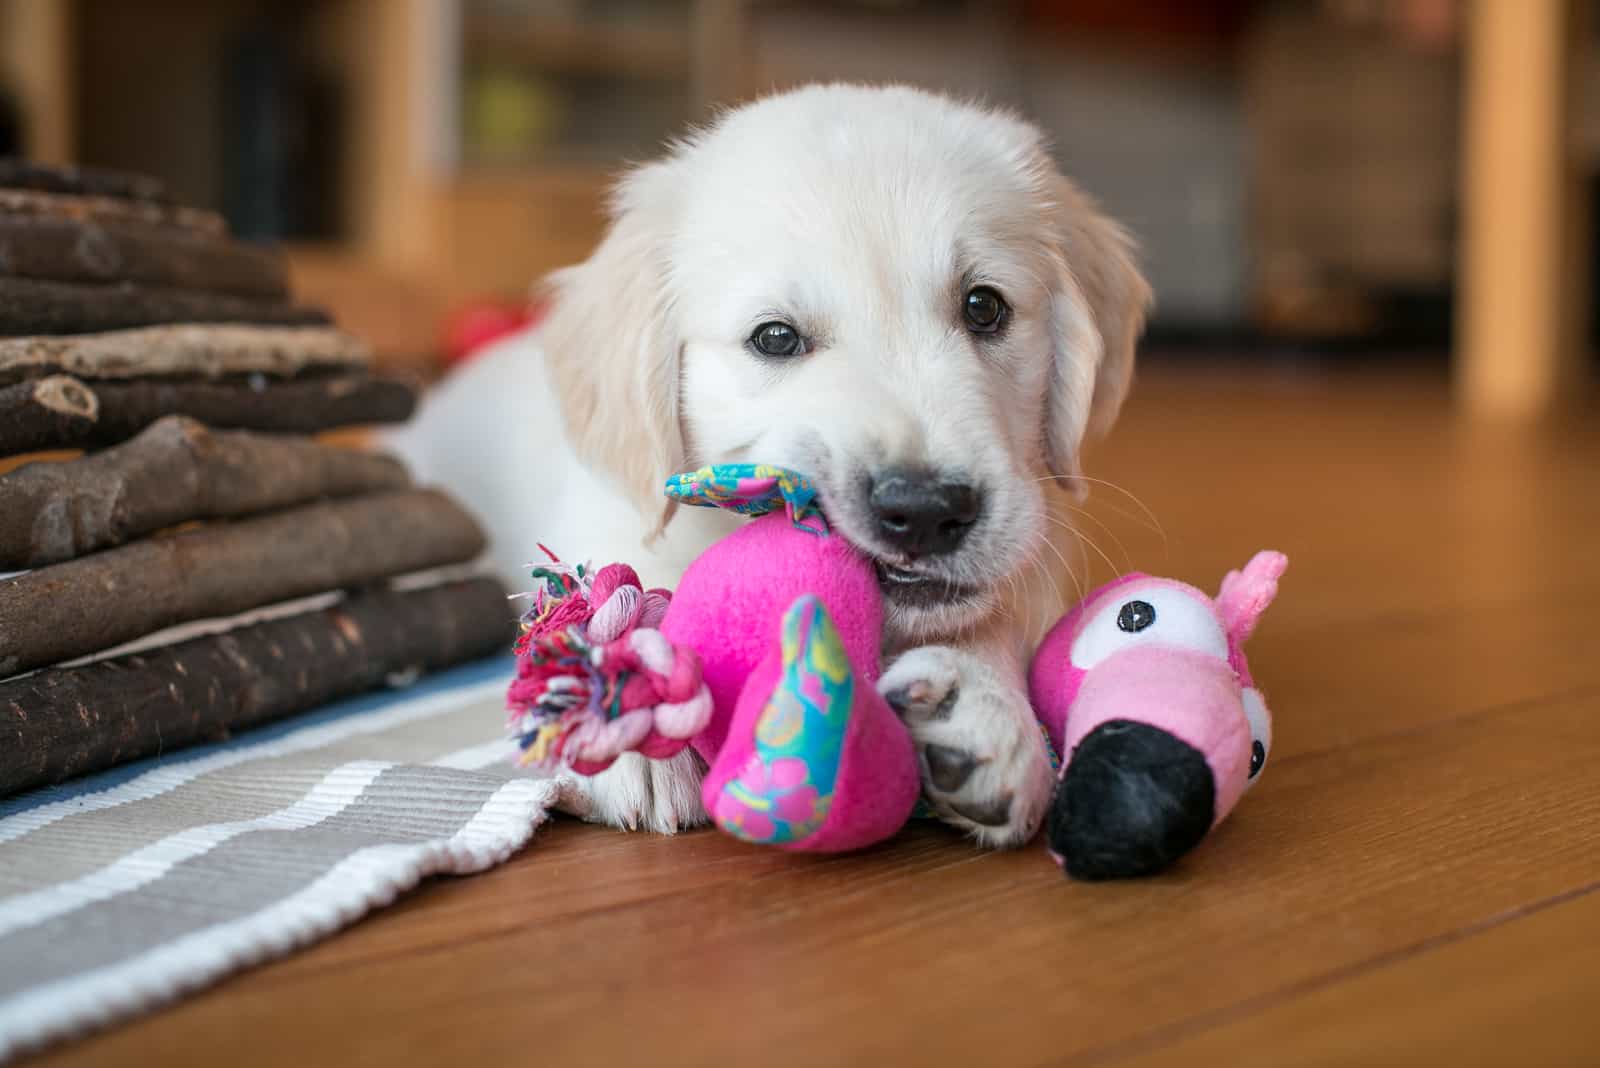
1416	879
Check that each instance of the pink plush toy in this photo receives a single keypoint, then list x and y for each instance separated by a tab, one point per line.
766	660
1145	689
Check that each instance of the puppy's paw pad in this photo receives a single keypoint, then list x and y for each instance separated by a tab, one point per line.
923	685
1002	802
994	812
948	768
984	765
976	790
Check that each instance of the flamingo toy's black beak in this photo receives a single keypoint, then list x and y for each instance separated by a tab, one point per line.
1133	800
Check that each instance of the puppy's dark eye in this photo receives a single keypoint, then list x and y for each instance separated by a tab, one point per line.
1136	616
1258	757
984	309
777	339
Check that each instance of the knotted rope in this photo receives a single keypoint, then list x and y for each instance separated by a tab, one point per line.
595	678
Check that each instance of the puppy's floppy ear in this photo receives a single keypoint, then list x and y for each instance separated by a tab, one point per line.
613	350
1098	311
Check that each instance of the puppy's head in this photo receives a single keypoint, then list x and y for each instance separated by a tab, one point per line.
890	291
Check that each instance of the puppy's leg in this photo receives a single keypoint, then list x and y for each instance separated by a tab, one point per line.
985	768
639	794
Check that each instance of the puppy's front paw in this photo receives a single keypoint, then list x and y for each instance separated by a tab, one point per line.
984	764
640	794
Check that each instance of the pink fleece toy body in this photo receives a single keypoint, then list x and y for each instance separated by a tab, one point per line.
1145	690
766	659
802	750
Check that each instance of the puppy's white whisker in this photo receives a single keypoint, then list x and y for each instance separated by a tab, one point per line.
1033	563
1084	539
1072	572
1112	534
1136	520
1155	524
1016	595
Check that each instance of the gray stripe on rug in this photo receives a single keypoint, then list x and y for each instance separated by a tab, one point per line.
403	805
82	843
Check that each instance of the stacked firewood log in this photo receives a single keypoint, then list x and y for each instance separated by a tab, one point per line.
197	563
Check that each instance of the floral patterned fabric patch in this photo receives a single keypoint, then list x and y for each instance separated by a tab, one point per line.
785	790
751	489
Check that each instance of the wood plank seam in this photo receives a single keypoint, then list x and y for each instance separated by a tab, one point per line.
1458	719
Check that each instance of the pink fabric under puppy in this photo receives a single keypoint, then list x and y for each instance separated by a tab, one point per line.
731	607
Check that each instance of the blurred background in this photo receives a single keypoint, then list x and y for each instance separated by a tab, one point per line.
1339	180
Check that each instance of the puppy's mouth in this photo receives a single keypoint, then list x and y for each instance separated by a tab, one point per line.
924	594
911	587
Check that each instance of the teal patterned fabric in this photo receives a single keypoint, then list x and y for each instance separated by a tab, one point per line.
751	489
785	790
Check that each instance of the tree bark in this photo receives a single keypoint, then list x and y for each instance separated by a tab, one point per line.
94	251
173	472
187	350
45	412
30	306
96	206
57	416
295	406
65	722
90	181
102	600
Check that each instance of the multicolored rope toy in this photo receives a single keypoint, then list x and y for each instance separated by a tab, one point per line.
595	678
753	490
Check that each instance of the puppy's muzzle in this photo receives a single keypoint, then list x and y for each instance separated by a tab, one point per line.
919	514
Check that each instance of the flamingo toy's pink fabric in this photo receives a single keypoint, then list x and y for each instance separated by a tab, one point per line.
1145	690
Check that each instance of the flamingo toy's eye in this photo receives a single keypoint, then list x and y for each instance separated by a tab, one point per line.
1163	615
1135	616
1255	710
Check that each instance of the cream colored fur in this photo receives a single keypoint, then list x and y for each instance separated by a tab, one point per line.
860	215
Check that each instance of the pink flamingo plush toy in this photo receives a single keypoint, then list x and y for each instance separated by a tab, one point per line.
1145	690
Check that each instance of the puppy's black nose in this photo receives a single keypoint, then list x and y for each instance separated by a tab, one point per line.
919	513
1134	799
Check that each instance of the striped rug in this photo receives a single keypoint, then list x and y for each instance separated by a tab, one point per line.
129	889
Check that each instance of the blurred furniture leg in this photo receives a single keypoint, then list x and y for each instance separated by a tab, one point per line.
1522	311
35	54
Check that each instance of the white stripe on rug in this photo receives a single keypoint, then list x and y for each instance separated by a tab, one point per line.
332	795
171	776
366	879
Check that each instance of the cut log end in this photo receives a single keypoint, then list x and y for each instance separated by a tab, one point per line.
56	412
66	396
121	409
